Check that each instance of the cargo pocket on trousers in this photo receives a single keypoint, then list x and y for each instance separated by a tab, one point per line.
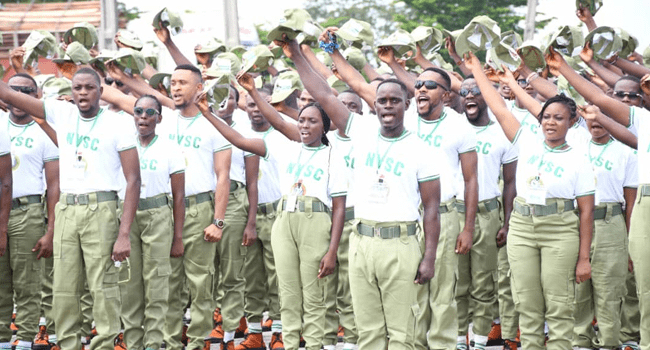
159	288
513	288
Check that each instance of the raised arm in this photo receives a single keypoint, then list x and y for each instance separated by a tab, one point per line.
544	87
255	146
617	130
287	129
585	16
387	55
118	98
164	36
617	110
349	74
638	70
138	86
531	104
509	123
451	48
27	103
316	86
315	63
587	56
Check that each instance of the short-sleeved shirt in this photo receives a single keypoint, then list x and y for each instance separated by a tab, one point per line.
31	148
302	169
158	161
268	180
198	141
344	163
89	148
451	134
564	173
615	166
640	125
493	149
398	164
237	164
5	144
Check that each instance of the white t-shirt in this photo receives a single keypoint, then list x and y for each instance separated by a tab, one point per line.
199	141
452	134
158	161
343	162
525	118
268	179
615	166
237	165
640	123
31	148
89	147
493	149
5	144
305	168
387	172
563	173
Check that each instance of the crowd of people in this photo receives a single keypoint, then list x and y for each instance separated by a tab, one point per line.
300	190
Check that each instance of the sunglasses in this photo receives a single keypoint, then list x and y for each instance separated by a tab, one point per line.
630	95
110	81
149	111
23	89
429	84
475	91
522	82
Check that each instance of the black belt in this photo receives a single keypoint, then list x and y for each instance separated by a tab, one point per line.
316	206
267	208
198	198
349	213
601	213
445	208
485	206
153	202
542	210
25	200
235	185
87	198
385	232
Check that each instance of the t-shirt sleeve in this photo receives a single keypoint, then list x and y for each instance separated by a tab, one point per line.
126	133
636	114
338	176
56	110
427	170
176	159
219	143
631	170
510	155
466	138
354	126
5	143
50	151
586	180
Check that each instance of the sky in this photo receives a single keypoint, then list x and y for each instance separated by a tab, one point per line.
203	17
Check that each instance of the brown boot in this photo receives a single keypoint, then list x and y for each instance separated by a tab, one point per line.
119	342
228	346
253	341
216	336
242	330
509	345
42	339
276	342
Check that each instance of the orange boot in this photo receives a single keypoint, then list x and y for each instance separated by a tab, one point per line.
253	341
42	339
119	342
217	316
494	337
276	342
266	325
216	336
242	330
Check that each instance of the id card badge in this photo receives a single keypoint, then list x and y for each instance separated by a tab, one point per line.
78	166
379	191
292	199
536	191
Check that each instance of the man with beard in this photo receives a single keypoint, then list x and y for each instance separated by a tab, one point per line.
31	152
475	270
89	241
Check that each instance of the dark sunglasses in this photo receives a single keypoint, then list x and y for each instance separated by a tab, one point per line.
429	84
630	95
464	92
110	81
23	89
522	82
149	111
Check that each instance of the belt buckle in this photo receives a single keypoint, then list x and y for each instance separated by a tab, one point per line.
75	199
377	232
532	210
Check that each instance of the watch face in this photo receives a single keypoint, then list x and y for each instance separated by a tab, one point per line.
219	223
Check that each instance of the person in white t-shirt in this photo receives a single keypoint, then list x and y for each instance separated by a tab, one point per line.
476	269
303	231
637	120
33	155
387	263
548	242
157	230
89	242
5	209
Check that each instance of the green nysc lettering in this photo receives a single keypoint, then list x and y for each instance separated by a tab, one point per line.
483	148
148	164
389	164
431	140
19	141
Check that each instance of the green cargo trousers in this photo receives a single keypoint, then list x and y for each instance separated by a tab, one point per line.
339	299
259	270
507	313
300	239
84	235
639	248
602	295
20	273
144	297
229	261
477	272
382	271
438	320
630	316
543	252
196	269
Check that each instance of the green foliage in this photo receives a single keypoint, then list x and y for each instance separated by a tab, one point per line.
129	13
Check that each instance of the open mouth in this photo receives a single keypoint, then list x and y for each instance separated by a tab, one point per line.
423	101
471	108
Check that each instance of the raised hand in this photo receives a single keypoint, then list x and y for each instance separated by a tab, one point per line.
587	53
162	33
386	54
246	81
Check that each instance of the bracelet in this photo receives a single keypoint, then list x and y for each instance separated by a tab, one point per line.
532	76
458	63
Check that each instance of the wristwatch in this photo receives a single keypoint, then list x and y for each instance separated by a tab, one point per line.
219	223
